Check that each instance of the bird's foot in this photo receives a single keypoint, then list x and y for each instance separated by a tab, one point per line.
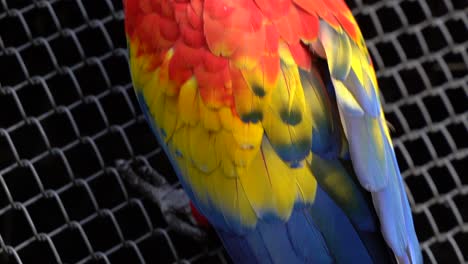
172	200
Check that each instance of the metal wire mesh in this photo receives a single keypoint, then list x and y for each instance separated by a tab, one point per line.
67	111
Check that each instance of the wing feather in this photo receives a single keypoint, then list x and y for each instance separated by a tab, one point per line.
370	146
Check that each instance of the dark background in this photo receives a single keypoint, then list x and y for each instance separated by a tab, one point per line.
67	111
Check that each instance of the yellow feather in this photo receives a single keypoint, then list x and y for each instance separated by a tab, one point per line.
202	149
247	135
358	63
188	102
242	157
253	92
246	211
226	117
165	83
209	117
306	183
143	80
255	77
229	169
180	142
170	117
198	181
283	183
257	185
285	54
234	154
245	62
333	177
225	146
151	88
139	75
287	120
224	192
179	147
157	108
313	93
248	104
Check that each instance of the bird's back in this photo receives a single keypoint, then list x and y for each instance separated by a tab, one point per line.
269	113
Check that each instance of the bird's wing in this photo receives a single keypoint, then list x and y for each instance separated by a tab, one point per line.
239	102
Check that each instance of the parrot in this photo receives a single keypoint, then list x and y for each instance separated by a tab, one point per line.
269	113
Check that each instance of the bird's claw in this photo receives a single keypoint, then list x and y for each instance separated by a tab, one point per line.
173	201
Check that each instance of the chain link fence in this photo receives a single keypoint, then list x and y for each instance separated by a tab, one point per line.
67	111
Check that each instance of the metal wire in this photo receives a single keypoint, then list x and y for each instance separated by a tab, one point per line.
68	111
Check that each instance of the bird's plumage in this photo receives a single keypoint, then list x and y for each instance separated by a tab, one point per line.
269	112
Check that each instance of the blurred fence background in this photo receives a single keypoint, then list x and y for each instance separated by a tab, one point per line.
67	111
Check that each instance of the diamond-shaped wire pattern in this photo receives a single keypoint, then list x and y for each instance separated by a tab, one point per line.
68	111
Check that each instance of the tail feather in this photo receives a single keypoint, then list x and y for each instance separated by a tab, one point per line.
339	233
296	241
317	233
393	202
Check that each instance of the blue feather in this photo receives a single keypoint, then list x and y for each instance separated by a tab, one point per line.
296	241
331	174
342	239
395	214
318	233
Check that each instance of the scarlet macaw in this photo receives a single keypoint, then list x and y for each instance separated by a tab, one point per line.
270	115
